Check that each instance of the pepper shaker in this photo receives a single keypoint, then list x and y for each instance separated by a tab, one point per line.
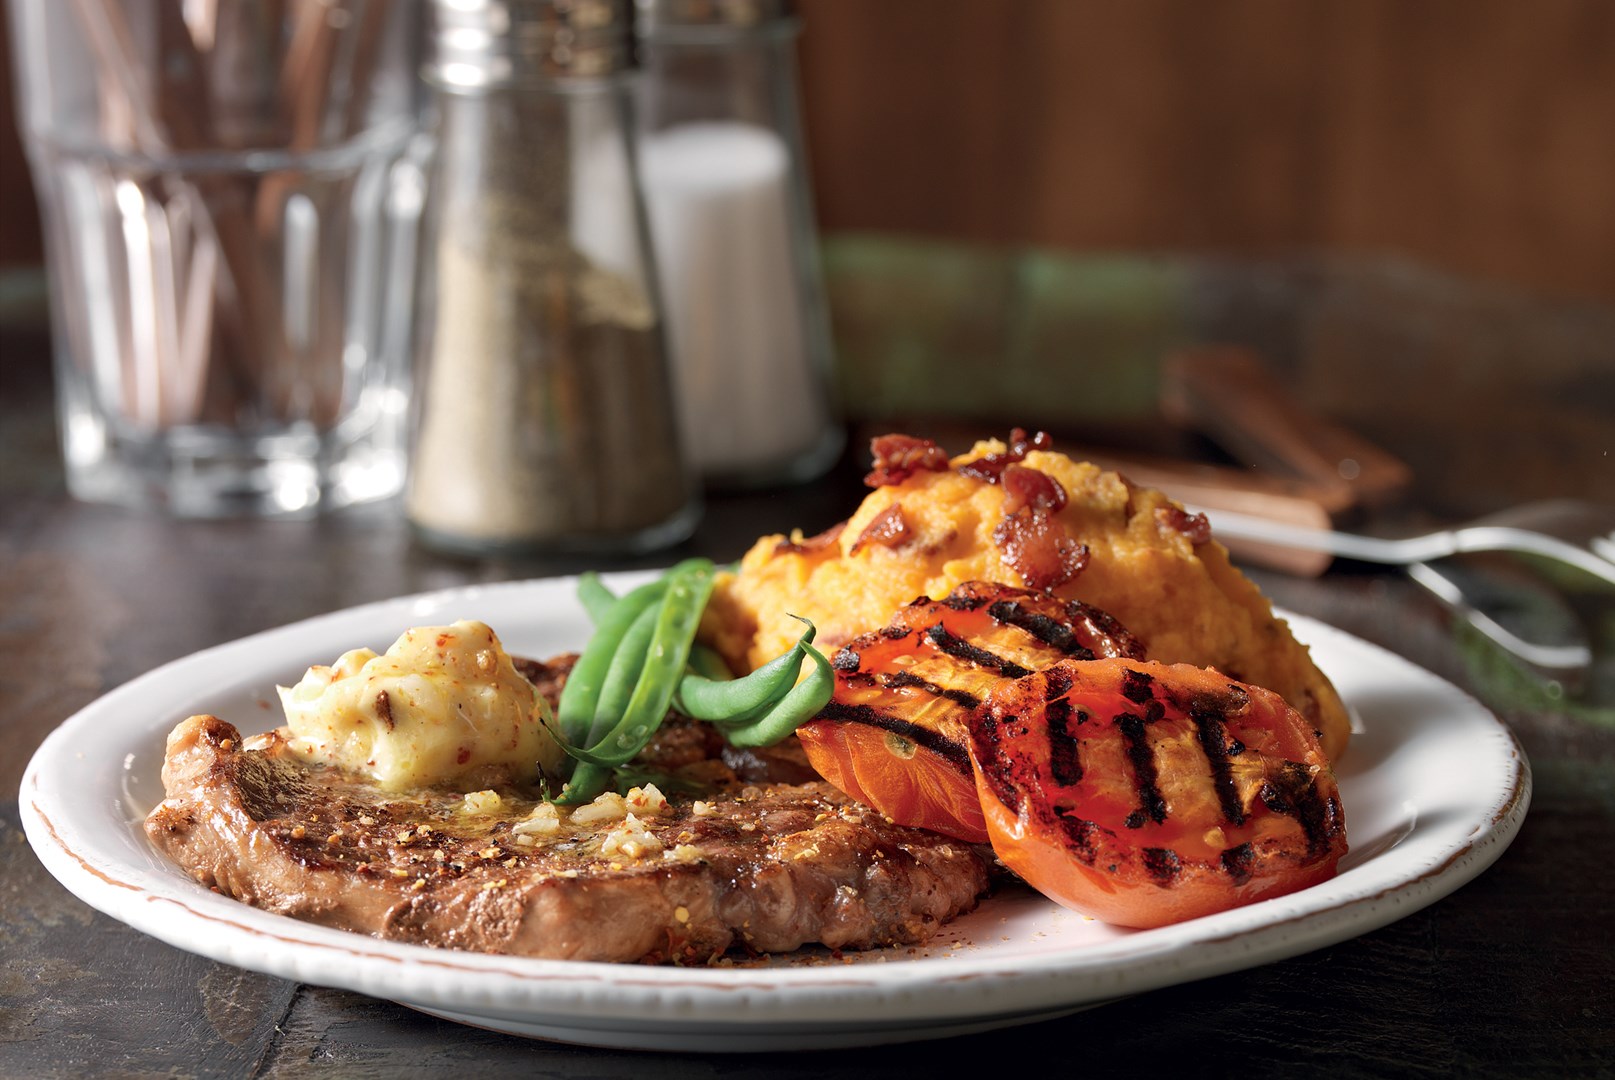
545	414
732	223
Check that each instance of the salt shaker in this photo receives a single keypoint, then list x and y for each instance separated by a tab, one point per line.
546	419
732	224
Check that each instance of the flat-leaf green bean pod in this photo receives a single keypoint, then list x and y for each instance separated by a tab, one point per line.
597	599
705	662
588	782
580	696
687	591
800	705
627	665
708	699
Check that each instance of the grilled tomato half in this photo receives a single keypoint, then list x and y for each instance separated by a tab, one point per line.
894	734
1145	794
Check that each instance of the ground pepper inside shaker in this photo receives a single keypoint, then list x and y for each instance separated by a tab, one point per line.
545	417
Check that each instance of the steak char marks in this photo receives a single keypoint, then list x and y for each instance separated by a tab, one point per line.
756	866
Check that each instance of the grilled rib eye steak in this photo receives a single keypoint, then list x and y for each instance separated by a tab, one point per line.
763	867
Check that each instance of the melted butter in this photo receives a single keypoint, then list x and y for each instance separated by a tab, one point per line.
442	701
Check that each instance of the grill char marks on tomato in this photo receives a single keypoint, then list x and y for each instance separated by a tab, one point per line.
937	660
1298	798
986	747
1050	632
1137	688
1237	863
956	646
929	672
1285	787
926	737
1081	631
1064	760
900	679
1190	793
1213	737
1151	806
1163	864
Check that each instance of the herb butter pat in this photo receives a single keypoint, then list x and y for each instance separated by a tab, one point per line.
441	702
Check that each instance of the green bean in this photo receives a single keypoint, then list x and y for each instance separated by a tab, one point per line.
588	782
680	615
586	759
626	665
706	699
597	599
581	694
647	660
706	662
800	705
592	775
642	659
726	724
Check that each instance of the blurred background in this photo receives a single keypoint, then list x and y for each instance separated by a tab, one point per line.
1476	136
1408	209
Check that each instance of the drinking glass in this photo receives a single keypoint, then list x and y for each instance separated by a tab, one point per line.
229	192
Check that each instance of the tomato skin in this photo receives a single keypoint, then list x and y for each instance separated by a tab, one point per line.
910	785
1145	794
893	737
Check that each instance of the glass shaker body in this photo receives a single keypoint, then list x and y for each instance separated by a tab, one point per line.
545	415
736	246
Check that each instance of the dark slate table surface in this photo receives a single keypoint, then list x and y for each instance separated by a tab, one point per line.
1513	975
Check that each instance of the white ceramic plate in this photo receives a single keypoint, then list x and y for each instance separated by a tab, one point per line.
1434	789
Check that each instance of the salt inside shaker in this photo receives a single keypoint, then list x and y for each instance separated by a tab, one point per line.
732	224
545	412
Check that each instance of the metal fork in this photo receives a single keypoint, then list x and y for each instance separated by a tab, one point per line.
1578	534
1513	608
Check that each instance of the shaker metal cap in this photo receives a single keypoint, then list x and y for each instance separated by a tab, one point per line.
482	43
670	15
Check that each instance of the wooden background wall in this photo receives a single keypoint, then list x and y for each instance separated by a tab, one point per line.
1475	135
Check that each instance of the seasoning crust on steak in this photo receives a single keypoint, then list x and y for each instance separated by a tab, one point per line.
762	867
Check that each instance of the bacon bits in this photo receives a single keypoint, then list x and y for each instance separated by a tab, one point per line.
1026	488
1038	548
990	467
898	457
1194	526
1034	541
888	529
807	545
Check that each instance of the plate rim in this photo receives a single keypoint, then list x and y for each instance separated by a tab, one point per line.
747	999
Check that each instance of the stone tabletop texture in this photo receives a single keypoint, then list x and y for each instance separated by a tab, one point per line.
1488	395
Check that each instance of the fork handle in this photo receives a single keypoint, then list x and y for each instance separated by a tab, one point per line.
1416	549
1236	526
